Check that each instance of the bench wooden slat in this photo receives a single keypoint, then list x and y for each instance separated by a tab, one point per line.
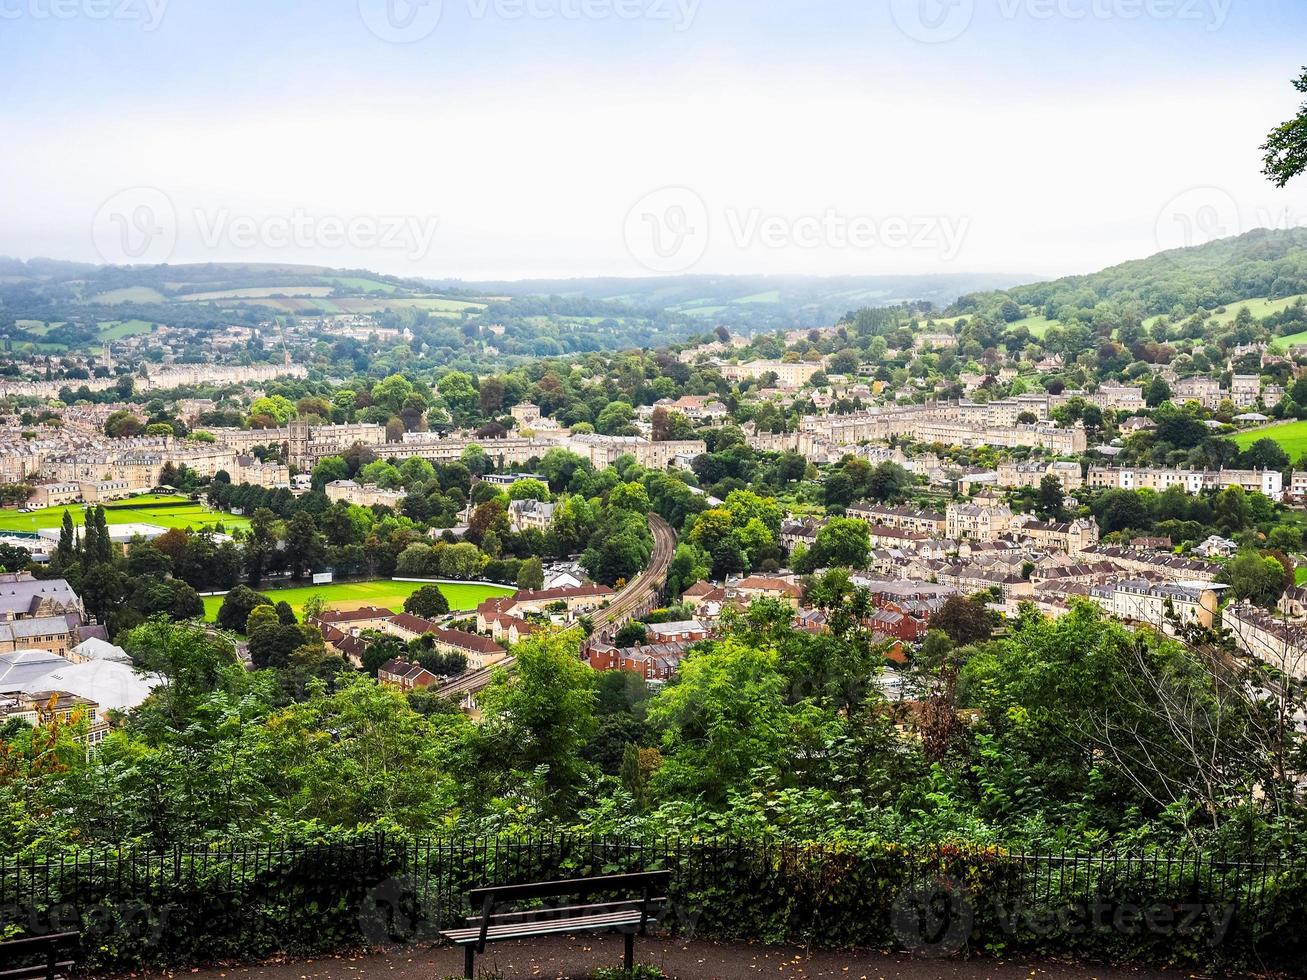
616	905
580	921
632	911
38	942
526	930
36	970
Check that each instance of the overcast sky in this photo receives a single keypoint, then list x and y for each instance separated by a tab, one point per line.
524	138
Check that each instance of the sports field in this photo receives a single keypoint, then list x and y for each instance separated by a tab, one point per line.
1292	437
164	511
462	596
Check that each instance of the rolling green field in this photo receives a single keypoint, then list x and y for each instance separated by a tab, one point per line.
942	323
118	329
131	294
1292	437
257	292
462	596
1258	308
170	512
363	285
1037	325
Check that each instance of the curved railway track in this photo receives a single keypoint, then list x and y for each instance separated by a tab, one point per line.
629	603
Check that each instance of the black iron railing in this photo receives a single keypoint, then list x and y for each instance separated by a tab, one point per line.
198	904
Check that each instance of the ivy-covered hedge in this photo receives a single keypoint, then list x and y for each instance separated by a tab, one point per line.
191	906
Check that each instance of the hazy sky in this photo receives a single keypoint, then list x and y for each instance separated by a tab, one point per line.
517	138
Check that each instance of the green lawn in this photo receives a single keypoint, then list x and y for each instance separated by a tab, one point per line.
1292	437
462	596
170	512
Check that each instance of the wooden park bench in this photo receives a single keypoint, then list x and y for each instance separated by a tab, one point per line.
41	953
636	899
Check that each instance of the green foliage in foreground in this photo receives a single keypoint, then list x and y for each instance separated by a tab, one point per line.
1070	733
805	801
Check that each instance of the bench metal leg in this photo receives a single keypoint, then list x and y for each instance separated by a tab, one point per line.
630	952
469	954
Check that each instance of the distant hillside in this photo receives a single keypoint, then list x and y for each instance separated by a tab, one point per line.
1260	265
754	304
48	306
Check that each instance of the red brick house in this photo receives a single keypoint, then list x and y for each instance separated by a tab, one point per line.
404	675
897	625
652	661
688	631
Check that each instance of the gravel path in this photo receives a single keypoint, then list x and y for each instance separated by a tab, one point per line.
568	958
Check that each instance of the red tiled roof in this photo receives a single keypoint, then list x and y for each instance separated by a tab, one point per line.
414	624
354	615
566	592
467	641
760	583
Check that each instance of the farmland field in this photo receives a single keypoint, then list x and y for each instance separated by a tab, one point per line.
363	285
462	596
1290	340
131	294
258	292
1258	308
1292	437
169	512
118	329
432	304
1037	325
942	323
